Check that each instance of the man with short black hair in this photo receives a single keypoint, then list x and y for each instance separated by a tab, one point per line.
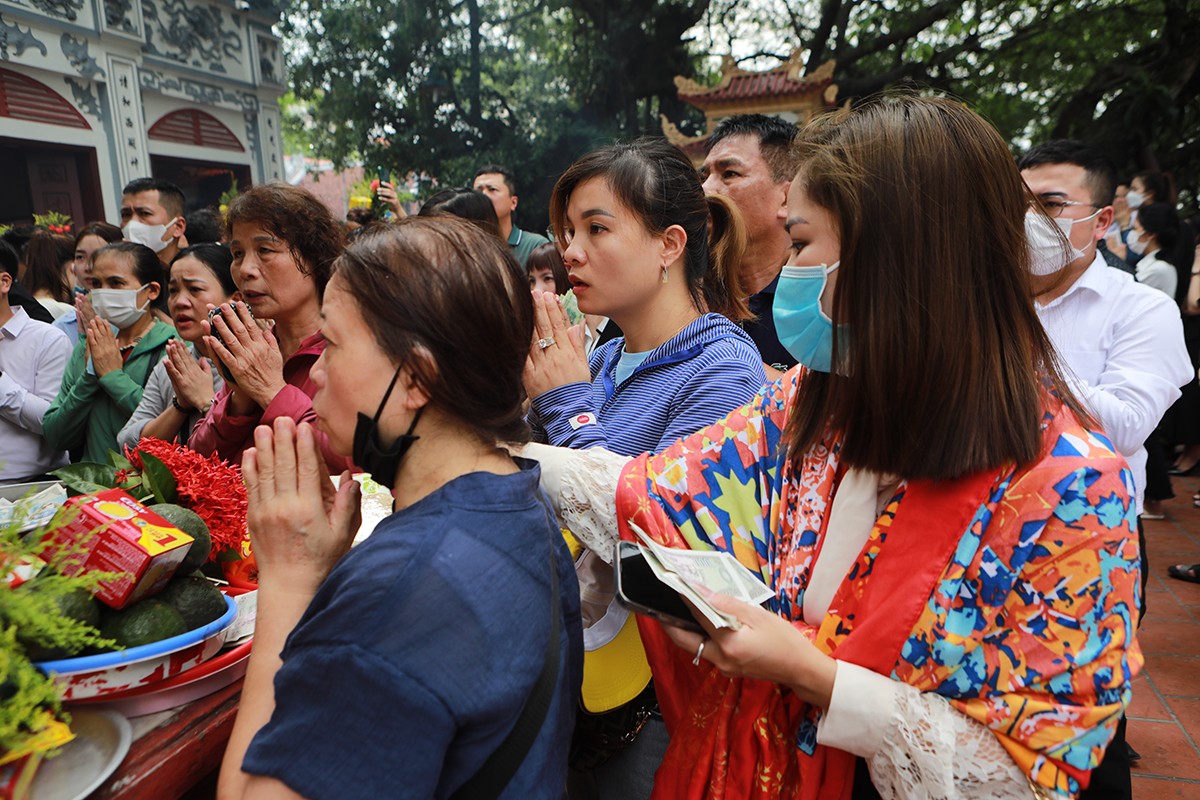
14	241
204	226
498	184
1121	342
33	357
749	161
152	214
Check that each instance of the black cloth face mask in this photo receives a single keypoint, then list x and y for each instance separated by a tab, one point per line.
370	454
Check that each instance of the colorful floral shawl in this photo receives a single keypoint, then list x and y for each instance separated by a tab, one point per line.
1013	594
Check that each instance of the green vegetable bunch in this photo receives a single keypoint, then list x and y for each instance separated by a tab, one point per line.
32	593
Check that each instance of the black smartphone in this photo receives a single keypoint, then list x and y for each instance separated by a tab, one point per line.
216	312
640	590
382	174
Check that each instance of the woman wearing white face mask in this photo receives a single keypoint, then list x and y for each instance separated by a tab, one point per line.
1156	221
1146	189
105	378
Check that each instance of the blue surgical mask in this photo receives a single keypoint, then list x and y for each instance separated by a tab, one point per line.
802	327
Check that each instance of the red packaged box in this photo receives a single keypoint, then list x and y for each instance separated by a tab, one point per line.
119	535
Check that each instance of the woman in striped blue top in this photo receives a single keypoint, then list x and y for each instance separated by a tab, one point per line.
636	227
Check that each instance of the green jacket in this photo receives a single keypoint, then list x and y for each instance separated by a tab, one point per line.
89	412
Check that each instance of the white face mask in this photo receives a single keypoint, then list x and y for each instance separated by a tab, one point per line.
149	235
1048	253
1136	243
1135	199
118	306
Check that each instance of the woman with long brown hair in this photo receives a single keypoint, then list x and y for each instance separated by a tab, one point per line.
46	276
948	542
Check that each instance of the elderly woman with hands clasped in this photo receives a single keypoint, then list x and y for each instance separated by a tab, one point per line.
948	539
283	242
442	655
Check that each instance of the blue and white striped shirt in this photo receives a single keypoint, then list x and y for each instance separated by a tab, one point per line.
692	380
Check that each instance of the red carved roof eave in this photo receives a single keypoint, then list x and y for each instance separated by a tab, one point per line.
754	86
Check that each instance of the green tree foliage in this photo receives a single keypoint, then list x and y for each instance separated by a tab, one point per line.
1122	74
441	87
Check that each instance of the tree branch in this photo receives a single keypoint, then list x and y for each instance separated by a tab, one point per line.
919	23
819	43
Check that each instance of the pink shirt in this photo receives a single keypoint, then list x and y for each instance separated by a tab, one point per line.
229	435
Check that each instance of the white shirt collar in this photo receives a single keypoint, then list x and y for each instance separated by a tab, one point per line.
1093	279
14	326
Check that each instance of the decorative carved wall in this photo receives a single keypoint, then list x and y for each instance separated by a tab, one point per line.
201	36
14	41
76	51
120	16
68	10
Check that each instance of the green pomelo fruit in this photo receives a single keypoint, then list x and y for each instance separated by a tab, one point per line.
190	523
197	600
144	622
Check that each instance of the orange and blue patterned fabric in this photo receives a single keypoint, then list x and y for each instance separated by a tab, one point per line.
1028	627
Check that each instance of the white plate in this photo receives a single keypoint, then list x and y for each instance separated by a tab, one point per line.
102	739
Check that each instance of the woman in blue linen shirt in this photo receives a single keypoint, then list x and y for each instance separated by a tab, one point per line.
397	668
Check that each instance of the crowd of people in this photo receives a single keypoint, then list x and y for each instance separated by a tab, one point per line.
929	417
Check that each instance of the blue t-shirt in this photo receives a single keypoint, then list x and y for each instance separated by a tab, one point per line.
628	363
416	656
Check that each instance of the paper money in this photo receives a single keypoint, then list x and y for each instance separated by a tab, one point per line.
686	571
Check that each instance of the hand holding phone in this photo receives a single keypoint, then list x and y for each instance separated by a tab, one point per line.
640	590
216	312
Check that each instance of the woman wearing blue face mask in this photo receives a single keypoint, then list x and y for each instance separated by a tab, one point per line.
107	374
946	540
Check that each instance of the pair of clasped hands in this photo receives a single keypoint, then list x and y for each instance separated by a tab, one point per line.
102	347
765	646
249	353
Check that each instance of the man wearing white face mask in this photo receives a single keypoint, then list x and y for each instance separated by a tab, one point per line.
1121	342
152	214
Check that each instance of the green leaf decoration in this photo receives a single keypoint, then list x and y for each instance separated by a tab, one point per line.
119	461
87	477
158	478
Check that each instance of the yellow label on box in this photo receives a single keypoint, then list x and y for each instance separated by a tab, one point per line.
156	539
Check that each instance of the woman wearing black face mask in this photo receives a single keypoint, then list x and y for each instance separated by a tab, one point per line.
435	635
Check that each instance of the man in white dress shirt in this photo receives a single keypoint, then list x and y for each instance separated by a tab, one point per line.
33	356
1121	342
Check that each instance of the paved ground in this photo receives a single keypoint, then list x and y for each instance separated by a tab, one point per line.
1164	718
